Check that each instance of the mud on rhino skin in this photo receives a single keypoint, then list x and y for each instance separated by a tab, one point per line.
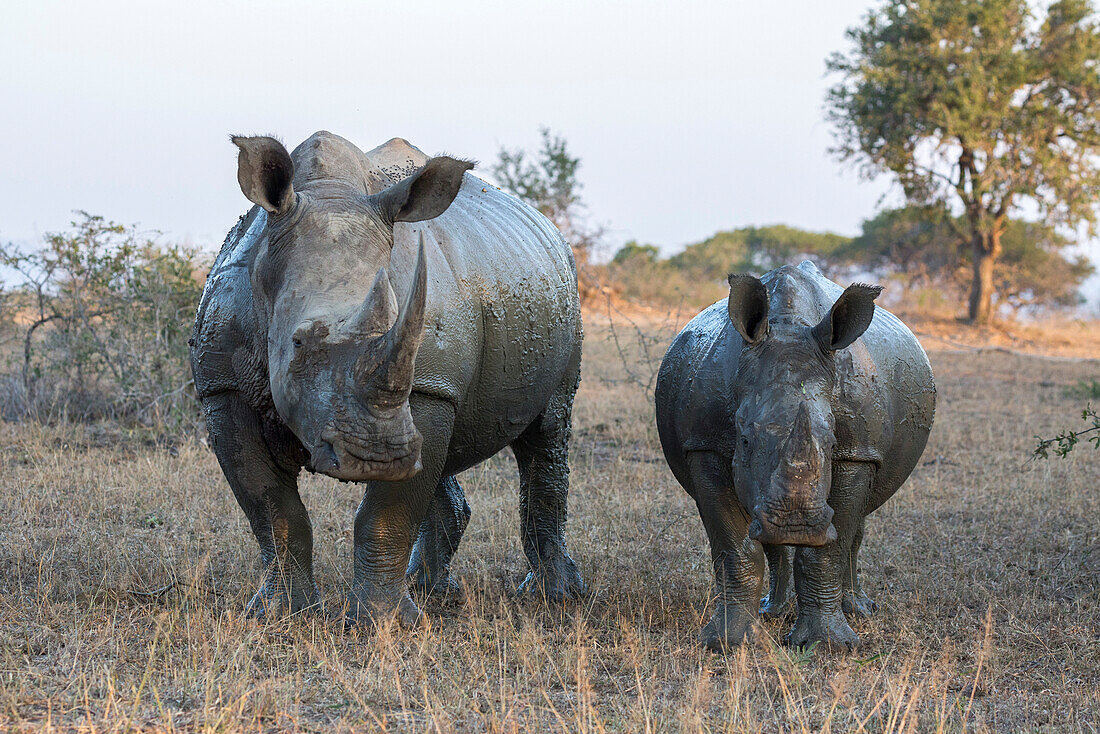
391	319
789	412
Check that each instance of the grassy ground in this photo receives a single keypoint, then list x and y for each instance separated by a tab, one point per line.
125	564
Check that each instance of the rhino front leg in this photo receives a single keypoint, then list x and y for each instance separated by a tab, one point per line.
440	532
780	596
388	521
854	601
261	464
819	572
542	454
738	560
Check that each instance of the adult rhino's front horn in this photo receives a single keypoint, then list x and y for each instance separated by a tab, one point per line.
388	386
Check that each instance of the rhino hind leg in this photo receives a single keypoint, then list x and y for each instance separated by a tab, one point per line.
780	598
262	468
854	601
737	559
819	572
440	532
542	455
388	522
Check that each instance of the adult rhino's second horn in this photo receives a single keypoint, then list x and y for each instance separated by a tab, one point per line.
392	382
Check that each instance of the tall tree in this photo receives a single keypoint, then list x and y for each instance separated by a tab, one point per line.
982	104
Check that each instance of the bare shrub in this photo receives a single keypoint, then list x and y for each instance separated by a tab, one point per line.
97	327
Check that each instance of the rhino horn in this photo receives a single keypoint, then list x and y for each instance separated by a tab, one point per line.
800	445
392	382
379	310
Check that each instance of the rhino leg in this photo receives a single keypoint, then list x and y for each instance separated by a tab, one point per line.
780	596
819	572
388	521
738	560
854	601
440	532
542	454
262	468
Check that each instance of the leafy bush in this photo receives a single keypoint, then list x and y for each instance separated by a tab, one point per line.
1067	440
919	248
658	283
632	252
100	318
756	249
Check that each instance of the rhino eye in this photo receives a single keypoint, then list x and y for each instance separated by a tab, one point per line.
300	334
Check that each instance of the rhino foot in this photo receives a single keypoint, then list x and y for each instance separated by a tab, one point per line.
858	604
367	613
831	631
728	628
556	582
776	608
442	588
279	598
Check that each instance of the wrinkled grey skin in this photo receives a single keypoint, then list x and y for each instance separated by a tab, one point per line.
389	319
789	412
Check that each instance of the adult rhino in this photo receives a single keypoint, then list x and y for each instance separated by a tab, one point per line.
390	319
789	412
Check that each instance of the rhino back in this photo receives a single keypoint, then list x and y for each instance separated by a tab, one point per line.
503	326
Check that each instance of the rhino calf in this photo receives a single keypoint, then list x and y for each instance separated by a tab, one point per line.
389	319
789	412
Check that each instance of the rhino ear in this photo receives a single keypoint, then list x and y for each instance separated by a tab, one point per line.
426	194
265	172
748	307
848	318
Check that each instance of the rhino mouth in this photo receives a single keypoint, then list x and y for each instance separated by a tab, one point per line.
353	460
794	530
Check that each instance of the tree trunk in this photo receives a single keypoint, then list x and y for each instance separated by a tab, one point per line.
986	247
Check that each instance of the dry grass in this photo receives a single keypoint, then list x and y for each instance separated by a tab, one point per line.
124	567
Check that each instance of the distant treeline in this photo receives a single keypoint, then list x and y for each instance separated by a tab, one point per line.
923	249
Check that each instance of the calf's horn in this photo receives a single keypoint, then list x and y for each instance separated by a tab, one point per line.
800	444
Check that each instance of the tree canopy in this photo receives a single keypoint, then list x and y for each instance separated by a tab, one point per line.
979	104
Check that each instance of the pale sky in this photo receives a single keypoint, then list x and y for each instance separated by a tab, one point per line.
688	117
